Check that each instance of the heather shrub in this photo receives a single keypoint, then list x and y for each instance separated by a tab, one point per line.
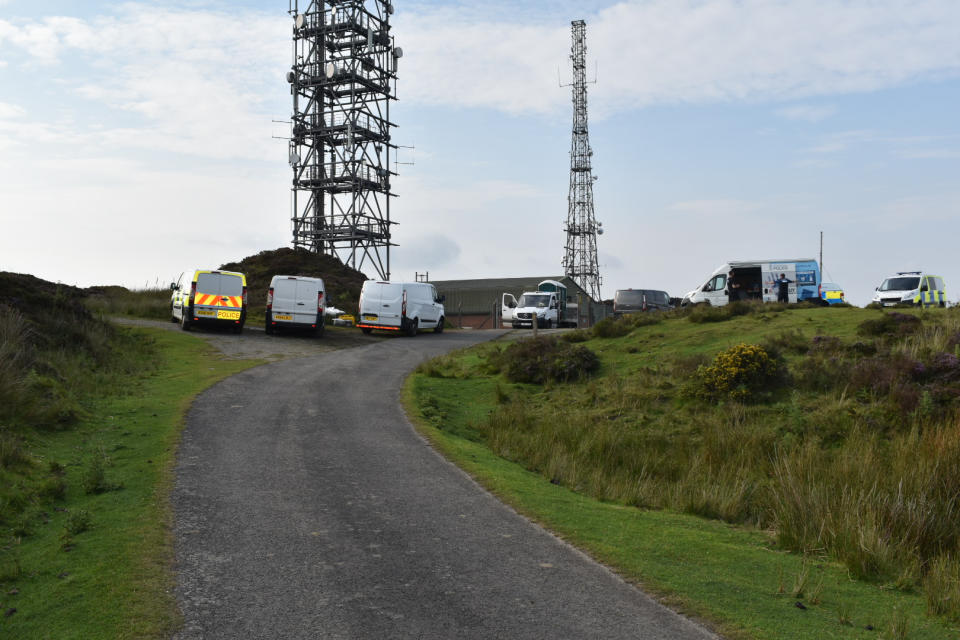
580	335
890	324
739	373
545	358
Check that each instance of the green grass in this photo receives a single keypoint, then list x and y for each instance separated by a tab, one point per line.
96	562
581	458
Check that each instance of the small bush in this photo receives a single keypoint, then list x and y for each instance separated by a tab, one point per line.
580	335
537	360
95	475
787	342
890	324
612	328
54	488
739	373
77	522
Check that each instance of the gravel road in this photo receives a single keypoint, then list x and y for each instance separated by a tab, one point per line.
306	506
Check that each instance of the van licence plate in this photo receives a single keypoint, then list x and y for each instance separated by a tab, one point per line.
228	315
282	316
206	312
369	316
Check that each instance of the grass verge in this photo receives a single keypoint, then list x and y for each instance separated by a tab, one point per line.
93	559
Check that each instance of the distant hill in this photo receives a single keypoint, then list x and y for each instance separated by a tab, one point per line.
343	283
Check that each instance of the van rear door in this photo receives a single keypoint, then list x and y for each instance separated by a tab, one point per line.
219	295
296	298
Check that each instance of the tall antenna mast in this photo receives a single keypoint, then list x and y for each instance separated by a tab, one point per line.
580	259
342	79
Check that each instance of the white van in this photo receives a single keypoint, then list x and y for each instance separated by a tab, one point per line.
295	302
400	306
758	280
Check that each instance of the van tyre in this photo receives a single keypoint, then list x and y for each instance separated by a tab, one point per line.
439	327
318	330
173	318
366	330
412	327
184	322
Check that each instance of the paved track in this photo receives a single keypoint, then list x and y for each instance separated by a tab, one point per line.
307	507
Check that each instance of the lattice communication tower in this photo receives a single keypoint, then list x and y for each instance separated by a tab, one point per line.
580	259
342	80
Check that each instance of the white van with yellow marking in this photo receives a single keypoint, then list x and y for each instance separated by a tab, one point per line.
210	297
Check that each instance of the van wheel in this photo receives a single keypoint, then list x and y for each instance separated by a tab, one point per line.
439	327
268	328
367	330
412	327
549	324
184	322
173	318
318	331
238	328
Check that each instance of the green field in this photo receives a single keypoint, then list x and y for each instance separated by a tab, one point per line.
822	468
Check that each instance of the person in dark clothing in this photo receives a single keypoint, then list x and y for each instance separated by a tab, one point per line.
782	282
733	288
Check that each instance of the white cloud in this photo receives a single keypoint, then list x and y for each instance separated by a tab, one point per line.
678	51
10	110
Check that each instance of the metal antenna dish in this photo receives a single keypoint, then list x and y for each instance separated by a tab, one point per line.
294	158
397	52
330	70
298	20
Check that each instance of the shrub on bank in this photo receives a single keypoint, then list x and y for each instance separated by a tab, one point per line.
739	373
544	358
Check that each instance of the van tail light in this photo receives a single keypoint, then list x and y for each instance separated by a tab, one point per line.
320	302
403	305
819	290
644	307
193	292
244	296
270	299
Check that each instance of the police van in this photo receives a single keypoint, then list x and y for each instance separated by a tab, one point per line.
210	297
758	280
911	287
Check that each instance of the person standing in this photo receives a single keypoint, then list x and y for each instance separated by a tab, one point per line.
733	288
782	294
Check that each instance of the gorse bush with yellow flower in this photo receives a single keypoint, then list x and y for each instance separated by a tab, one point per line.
739	373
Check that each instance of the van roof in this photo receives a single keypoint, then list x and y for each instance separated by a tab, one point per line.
745	263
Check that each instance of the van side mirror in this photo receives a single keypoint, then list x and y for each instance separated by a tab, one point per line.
443	297
173	286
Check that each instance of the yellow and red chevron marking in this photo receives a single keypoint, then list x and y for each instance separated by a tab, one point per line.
212	300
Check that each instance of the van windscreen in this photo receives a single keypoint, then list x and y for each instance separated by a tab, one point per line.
900	284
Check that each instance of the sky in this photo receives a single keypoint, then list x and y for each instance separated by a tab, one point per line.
142	139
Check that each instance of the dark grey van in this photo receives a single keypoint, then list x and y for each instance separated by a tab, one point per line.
639	300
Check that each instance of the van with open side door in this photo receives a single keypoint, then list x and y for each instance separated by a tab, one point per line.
210	297
295	302
400	306
756	280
